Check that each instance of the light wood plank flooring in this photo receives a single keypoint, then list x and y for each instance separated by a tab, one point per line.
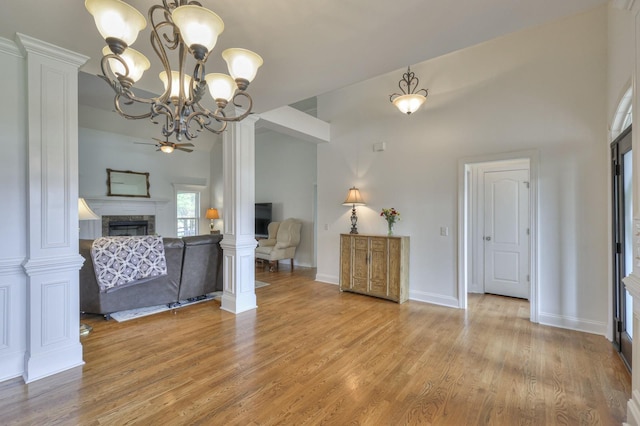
312	355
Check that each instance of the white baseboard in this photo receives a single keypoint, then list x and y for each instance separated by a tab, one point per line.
436	299
12	366
633	409
331	279
49	363
577	324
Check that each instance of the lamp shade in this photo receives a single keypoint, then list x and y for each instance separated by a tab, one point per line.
353	198
136	62
242	63
84	212
116	19
212	214
198	25
409	103
221	86
175	83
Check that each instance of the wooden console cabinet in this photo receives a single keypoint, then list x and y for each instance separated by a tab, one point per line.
375	265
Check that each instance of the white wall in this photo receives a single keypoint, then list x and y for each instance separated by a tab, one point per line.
620	51
542	89
13	230
286	177
114	147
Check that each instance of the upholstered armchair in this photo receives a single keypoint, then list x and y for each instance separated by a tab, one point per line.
281	244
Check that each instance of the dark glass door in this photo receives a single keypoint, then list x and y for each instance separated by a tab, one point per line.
622	192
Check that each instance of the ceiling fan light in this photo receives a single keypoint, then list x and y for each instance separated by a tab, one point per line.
221	86
408	104
198	26
116	19
175	83
243	64
136	61
167	149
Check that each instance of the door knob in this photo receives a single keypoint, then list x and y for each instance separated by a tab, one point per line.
487	238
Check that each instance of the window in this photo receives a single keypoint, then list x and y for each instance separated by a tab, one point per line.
188	212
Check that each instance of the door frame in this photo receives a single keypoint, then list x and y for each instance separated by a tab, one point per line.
466	229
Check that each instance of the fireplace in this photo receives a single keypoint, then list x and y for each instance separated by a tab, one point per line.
134	227
128	225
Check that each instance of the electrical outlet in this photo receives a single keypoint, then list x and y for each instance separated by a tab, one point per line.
444	231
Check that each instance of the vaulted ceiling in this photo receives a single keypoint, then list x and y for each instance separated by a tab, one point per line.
309	47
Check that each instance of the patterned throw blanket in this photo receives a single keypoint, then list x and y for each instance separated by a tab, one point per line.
121	261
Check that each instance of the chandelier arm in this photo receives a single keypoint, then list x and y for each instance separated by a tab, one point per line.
119	110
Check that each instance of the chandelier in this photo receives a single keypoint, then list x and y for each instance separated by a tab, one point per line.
190	30
410	100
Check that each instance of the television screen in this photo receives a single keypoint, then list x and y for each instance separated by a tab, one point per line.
263	218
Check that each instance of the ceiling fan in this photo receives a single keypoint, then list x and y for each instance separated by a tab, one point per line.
168	147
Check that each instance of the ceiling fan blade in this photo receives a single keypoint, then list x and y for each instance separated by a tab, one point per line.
184	144
184	149
144	143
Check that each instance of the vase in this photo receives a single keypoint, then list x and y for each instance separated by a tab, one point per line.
390	224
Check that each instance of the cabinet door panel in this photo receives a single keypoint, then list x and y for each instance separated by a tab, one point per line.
378	255
394	268
345	262
360	263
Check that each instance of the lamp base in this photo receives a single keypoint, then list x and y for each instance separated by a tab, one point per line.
354	221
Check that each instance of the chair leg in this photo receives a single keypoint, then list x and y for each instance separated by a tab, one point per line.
292	264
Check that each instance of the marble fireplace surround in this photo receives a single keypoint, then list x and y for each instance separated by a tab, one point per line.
121	209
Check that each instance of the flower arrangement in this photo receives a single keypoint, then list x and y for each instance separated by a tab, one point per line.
391	216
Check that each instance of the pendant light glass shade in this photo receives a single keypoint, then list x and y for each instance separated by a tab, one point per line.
116	19
136	61
409	103
198	25
242	63
175	83
221	86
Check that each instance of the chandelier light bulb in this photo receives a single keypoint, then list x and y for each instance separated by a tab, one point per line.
198	27
243	64
116	20
175	83
136	62
221	86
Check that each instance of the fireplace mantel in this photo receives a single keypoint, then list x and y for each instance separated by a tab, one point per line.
122	206
100	199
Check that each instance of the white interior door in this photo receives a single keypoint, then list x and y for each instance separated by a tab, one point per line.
506	233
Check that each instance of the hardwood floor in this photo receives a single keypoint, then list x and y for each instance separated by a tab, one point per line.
312	355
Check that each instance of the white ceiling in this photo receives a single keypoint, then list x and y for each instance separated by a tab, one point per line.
309	47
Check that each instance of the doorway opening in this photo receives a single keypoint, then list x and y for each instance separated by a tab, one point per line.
497	227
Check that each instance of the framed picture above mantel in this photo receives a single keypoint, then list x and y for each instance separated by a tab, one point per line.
125	183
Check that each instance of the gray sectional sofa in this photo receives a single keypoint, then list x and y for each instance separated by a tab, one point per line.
194	268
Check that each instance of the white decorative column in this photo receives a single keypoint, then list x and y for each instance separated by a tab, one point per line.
632	283
53	262
239	243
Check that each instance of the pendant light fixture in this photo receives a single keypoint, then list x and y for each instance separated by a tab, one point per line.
411	99
182	31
